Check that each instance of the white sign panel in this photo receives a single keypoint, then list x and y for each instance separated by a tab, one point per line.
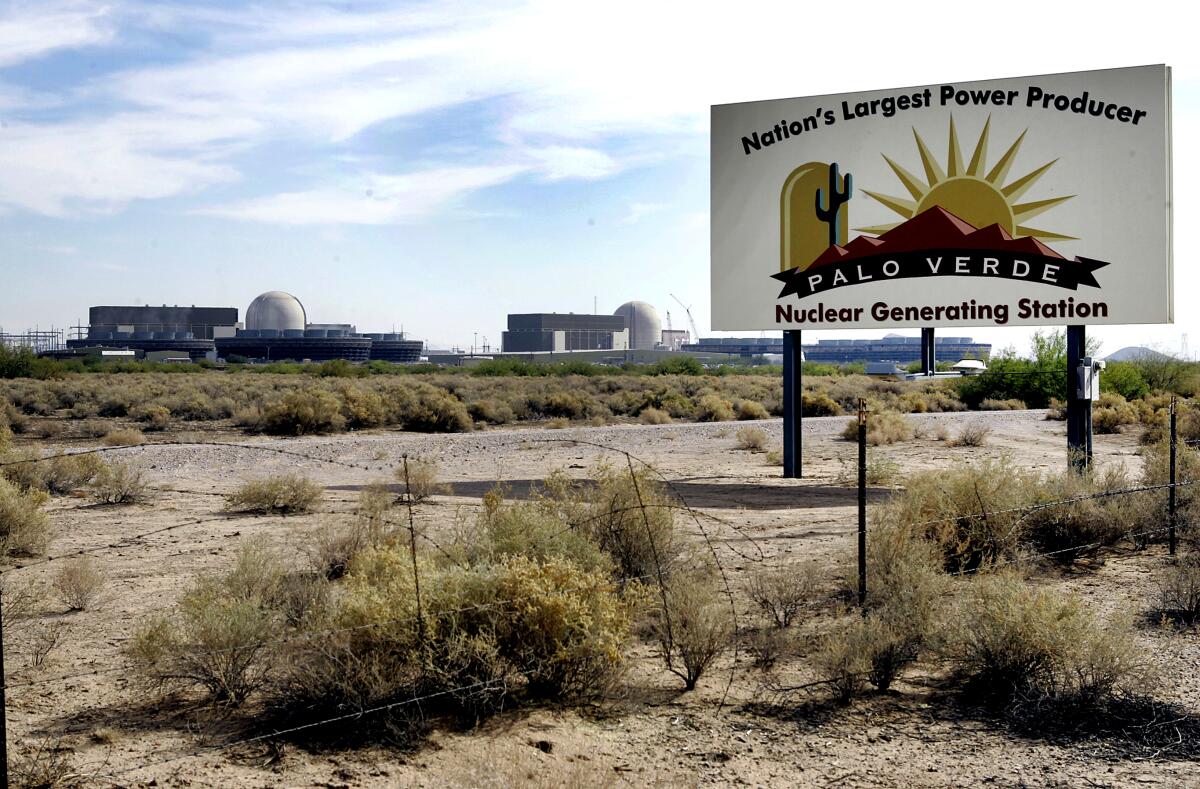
1014	202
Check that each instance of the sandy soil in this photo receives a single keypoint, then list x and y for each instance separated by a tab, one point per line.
651	734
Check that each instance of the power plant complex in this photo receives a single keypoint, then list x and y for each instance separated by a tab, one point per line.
277	328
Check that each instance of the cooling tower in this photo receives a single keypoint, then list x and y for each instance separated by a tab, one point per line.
645	327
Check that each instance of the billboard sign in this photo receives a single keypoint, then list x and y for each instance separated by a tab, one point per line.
1013	202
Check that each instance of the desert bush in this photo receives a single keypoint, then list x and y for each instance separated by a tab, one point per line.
694	626
286	494
46	638
1179	590
120	483
1015	643
883	427
91	428
418	480
433	410
857	650
304	411
79	583
217	638
972	434
1124	379
767	645
19	603
713	408
153	417
44	765
1156	470
24	526
1011	404
1111	412
753	439
51	428
819	404
780	593
546	526
631	517
495	412
126	437
362	408
654	416
749	409
1056	411
774	457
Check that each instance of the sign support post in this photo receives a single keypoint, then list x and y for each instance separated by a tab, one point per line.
1079	409
928	352
793	405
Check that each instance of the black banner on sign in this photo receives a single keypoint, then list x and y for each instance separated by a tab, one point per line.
1033	268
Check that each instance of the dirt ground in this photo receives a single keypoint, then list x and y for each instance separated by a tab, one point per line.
650	733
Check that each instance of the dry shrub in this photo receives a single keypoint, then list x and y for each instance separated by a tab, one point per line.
45	765
880	471
419	480
883	427
68	473
126	437
1015	643
767	645
1112	412
1057	412
304	411
972	434
694	627
558	423
1156	470
51	428
991	404
153	417
843	658
543	527
79	583
774	457
819	404
1179	590
713	408
782	592
753	439
631	517
24	526
120	483
750	409
1069	531
45	640
287	494
654	416
495	412
91	429
218	636
19	603
332	547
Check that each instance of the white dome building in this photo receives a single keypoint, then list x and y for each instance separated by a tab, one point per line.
276	311
643	323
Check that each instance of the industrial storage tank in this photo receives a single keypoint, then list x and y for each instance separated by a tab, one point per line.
643	323
275	311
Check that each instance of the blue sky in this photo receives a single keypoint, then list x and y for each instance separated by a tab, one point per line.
439	165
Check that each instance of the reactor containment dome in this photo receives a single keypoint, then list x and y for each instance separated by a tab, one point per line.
275	311
645	327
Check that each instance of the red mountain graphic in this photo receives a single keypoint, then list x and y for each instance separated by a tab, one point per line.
934	228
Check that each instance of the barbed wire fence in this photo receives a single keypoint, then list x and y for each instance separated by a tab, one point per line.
658	578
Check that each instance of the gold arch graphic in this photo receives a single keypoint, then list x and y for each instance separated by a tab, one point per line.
802	236
969	190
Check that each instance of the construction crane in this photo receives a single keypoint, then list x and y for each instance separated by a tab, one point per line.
691	320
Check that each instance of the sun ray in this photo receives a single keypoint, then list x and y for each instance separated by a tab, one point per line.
877	230
1022	184
1045	234
933	171
979	158
913	184
954	155
905	208
1023	211
1000	171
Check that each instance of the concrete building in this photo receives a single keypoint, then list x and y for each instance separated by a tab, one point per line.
894	348
554	332
203	323
675	339
736	346
276	311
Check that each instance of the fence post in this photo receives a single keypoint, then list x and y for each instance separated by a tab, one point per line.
412	549
1171	490
862	504
3	703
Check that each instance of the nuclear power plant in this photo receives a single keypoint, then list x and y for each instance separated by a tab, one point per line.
276	329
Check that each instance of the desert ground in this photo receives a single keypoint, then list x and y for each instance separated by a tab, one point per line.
739	727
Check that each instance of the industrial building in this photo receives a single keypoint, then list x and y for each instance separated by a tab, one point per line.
643	323
552	331
276	329
894	348
736	346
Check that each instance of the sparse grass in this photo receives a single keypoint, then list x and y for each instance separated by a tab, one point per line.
751	439
44	765
1011	404
972	434
418	480
288	494
774	457
79	583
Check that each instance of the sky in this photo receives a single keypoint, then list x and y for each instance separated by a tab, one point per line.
435	166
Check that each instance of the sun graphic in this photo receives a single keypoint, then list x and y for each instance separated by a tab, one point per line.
972	193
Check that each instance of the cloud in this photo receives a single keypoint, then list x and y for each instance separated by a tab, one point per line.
378	199
639	211
558	162
31	31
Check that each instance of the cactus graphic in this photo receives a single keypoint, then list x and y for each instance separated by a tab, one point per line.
830	214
